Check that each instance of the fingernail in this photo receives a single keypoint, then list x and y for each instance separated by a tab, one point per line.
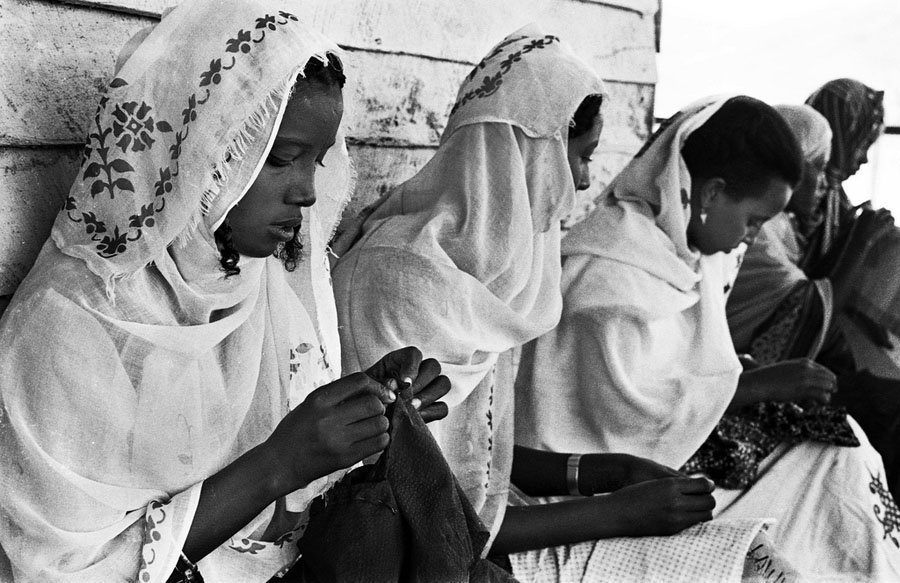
416	403
392	396
391	384
407	381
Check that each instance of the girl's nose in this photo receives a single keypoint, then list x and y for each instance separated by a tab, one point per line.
584	178
301	191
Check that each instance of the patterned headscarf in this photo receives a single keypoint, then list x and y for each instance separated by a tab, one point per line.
855	113
131	369
462	260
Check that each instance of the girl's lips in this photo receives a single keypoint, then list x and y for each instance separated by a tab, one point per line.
283	232
292	223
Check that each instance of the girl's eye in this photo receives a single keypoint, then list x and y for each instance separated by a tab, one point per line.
278	162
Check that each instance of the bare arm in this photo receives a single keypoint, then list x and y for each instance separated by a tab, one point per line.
656	507
544	473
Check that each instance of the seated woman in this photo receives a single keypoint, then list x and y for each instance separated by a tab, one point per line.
463	260
775	312
169	367
869	322
642	360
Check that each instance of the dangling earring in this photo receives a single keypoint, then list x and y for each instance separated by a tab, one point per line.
702	216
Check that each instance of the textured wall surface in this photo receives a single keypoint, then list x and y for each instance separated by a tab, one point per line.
406	59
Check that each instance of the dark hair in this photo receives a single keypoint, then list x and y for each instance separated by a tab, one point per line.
587	111
330	74
746	143
229	255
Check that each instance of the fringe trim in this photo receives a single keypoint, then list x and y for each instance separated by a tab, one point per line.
237	148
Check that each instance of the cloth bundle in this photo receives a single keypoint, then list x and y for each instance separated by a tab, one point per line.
383	521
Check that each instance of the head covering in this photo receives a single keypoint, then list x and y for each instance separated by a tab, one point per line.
657	179
462	260
484	212
811	129
131	369
769	271
641	361
855	112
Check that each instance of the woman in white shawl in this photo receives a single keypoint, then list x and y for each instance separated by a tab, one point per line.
159	365
463	260
642	360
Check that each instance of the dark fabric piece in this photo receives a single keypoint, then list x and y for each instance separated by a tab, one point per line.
875	404
732	453
403	518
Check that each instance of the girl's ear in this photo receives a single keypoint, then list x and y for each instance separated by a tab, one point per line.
711	190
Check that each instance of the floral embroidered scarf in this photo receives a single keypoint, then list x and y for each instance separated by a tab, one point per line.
130	368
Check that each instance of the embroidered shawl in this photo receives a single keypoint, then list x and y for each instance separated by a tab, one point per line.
130	368
462	260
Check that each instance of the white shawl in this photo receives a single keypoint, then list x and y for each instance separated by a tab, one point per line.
130	368
462	260
641	361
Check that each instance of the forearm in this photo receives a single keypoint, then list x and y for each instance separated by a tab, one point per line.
540	526
230	499
539	473
748	392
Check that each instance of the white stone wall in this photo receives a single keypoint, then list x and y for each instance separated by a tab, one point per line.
406	59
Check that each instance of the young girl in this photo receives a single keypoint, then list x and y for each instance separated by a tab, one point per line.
160	363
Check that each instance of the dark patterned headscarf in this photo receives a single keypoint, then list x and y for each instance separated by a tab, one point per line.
855	113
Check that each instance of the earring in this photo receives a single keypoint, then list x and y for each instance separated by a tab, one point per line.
702	216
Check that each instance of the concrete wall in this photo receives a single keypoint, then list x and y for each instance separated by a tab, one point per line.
407	58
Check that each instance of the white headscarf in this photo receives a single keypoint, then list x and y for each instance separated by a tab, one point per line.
130	368
641	361
811	129
462	260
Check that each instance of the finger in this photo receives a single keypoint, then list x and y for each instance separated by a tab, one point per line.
434	412
697	502
439	387
367	429
820	378
695	517
371	446
402	364
409	360
700	485
429	369
349	386
358	408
